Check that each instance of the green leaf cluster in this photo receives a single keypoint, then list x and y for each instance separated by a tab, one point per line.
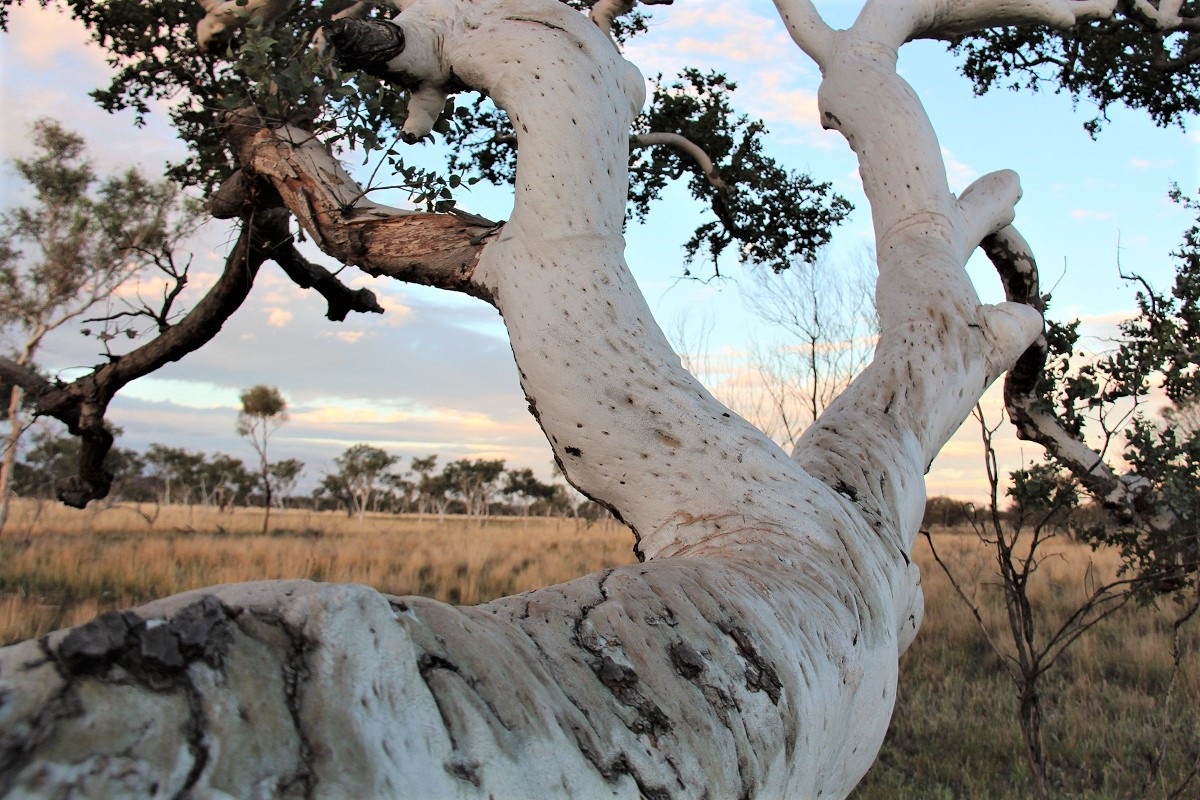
1119	61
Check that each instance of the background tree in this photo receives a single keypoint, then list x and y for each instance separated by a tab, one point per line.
361	470
826	327
225	481
1184	418
176	471
1142	55
81	238
285	475
475	481
522	485
945	512
263	411
333	490
423	468
400	491
1145	55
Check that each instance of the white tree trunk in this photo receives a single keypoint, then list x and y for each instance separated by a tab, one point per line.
753	654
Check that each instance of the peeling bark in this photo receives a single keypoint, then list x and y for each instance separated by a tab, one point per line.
433	249
754	654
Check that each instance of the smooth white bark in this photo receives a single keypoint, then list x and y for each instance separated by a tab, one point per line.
753	654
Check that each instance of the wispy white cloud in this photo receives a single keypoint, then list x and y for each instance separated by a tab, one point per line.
958	173
278	317
777	98
41	40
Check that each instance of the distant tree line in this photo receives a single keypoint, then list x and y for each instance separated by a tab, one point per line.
947	512
364	479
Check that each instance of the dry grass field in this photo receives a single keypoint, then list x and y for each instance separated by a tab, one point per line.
1113	728
59	567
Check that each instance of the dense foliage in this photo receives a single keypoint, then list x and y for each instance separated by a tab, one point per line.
1126	60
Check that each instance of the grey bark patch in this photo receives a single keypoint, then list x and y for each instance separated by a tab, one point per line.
687	660
760	674
625	685
846	489
150	649
464	770
432	661
95	645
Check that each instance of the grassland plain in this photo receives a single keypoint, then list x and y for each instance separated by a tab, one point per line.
1120	722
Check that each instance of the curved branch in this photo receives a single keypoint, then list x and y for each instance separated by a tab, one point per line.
223	18
1165	17
688	148
605	12
1124	495
895	22
809	31
340	297
31	383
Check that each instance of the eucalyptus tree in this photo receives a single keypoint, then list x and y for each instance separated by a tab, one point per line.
263	411
176	471
285	475
522	485
69	250
1090	413
475	481
755	652
362	470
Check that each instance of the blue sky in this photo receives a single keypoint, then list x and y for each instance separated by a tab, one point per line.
435	373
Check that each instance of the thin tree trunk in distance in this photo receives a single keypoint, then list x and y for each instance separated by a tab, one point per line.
11	442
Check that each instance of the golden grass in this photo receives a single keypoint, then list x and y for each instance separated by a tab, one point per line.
953	733
1107	717
60	567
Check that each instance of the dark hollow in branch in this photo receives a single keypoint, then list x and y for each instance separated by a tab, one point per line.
1127	499
366	45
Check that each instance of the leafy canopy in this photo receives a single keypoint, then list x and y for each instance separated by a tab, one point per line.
159	69
1125	60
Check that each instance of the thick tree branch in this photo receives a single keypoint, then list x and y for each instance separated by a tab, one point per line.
1165	17
894	22
433	249
241	194
605	12
223	18
688	148
31	383
809	31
